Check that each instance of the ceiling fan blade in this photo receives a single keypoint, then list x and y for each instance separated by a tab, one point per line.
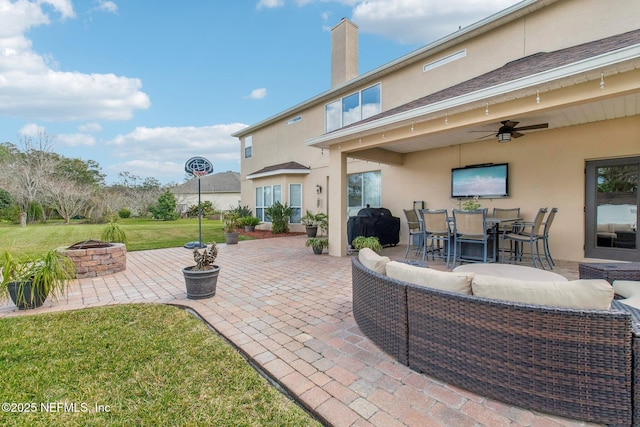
532	127
486	136
516	134
509	123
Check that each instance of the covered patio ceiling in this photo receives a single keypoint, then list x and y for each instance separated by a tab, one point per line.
608	109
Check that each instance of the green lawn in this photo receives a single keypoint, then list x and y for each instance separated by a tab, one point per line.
145	365
131	365
141	234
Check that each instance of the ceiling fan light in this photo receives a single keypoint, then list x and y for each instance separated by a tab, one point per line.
504	137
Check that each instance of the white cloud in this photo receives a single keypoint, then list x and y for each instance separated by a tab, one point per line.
162	152
31	88
90	127
32	130
76	140
260	93
157	144
107	6
269	4
419	21
409	21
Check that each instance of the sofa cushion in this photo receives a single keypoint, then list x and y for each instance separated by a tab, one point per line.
443	280
371	260
629	290
594	294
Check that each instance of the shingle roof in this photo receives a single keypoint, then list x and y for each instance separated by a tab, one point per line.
288	166
517	69
222	182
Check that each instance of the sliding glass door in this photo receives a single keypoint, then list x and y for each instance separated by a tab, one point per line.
612	209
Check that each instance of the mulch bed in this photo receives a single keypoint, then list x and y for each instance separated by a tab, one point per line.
267	234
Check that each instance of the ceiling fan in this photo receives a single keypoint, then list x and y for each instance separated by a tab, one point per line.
509	130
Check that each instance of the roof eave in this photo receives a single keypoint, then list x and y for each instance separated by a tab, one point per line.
279	172
580	67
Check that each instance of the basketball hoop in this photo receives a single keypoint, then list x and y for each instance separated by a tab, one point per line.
198	166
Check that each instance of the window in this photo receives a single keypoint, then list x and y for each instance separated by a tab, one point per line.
353	108
265	197
363	189
295	202
247	146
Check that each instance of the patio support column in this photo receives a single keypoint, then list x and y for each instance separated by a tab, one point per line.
337	200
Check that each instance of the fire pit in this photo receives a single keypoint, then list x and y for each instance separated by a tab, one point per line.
97	258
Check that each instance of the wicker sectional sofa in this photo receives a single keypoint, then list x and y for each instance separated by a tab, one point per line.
576	363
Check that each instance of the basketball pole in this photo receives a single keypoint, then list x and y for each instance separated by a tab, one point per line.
199	167
199	215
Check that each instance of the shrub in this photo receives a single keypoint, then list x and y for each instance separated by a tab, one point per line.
112	233
279	215
124	213
372	243
165	210
242	211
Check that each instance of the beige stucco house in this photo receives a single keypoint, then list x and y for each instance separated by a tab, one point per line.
221	189
392	135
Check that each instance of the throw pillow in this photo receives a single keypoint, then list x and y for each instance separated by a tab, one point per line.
595	294
428	277
630	290
371	260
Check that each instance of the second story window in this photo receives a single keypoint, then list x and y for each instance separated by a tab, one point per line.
353	108
247	146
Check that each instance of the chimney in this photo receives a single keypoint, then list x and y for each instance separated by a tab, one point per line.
344	52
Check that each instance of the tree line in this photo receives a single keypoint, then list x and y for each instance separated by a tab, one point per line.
37	184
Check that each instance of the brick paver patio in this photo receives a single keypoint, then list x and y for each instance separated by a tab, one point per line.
290	312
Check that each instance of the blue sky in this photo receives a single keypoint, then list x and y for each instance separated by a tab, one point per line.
142	86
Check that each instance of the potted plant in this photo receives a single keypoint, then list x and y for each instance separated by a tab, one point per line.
317	244
249	222
371	242
471	204
231	223
310	223
323	222
314	221
201	279
28	283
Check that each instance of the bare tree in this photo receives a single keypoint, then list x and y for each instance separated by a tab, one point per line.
25	172
68	197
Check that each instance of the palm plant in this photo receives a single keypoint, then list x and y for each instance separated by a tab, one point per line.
279	215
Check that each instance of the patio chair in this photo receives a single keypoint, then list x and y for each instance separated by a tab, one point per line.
505	213
545	238
505	227
437	231
526	232
470	227
416	232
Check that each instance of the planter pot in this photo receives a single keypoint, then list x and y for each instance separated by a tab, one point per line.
249	228
312	231
317	251
201	283
22	298
231	238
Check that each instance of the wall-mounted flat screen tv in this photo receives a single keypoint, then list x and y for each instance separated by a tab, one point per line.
489	181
